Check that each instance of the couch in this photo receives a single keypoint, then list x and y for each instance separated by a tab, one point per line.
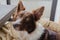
7	32
50	25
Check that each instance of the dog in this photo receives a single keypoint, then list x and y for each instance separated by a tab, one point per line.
28	21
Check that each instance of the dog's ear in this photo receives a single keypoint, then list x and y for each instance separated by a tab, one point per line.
38	13
20	6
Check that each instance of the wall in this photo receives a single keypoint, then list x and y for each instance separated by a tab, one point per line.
57	15
31	5
3	2
13	2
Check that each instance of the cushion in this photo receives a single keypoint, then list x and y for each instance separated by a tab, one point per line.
50	25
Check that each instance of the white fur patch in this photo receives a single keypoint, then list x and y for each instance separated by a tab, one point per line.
36	34
17	21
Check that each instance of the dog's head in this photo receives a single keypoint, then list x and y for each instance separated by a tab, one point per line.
27	21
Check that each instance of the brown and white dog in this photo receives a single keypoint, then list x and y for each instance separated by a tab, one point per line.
28	21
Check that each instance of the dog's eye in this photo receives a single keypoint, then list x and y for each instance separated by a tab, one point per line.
21	15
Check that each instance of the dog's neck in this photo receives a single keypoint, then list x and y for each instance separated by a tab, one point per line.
37	33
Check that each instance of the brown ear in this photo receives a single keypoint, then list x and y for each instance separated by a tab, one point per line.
38	13
20	6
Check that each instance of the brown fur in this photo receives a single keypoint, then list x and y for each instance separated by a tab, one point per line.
20	7
28	23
